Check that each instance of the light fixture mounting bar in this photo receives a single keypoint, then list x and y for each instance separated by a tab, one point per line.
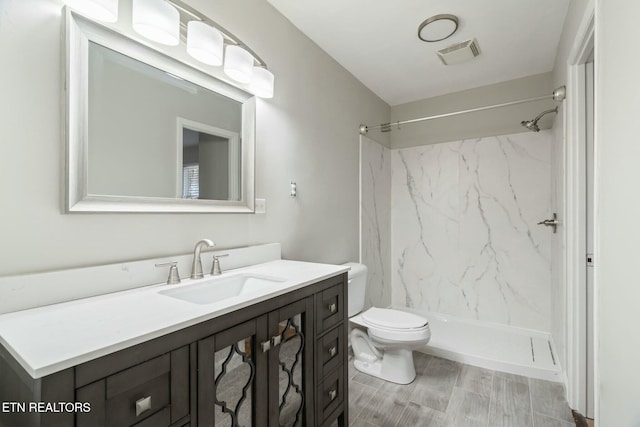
188	13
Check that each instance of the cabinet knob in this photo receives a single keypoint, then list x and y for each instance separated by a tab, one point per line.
333	394
265	346
143	405
333	308
333	351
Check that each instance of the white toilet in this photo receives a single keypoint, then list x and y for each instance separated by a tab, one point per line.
382	339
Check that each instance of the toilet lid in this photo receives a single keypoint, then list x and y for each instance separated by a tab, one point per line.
395	319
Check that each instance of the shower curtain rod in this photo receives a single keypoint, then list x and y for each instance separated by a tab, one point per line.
558	95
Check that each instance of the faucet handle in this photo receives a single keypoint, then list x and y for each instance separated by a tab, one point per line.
215	268
174	276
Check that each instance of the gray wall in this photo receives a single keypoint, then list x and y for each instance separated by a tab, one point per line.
214	167
500	121
308	132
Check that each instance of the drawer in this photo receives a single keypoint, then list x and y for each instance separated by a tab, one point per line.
138	392
330	308
330	394
330	351
160	418
127	398
154	393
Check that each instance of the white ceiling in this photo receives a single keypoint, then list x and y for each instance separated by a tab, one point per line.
377	41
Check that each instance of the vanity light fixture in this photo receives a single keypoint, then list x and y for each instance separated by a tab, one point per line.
262	82
238	64
100	10
168	21
204	43
156	20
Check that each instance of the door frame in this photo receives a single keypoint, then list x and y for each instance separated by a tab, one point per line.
575	216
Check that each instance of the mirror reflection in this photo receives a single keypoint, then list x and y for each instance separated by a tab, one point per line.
153	134
210	162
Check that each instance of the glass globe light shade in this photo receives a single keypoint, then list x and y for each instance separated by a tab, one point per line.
156	20
238	64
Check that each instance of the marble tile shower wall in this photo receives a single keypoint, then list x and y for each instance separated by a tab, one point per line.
375	184
463	225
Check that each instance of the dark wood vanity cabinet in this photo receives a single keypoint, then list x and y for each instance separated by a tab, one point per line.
280	362
260	372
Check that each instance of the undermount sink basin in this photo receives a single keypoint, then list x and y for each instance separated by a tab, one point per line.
207	291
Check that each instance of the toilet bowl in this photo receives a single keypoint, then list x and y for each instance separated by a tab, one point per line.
383	340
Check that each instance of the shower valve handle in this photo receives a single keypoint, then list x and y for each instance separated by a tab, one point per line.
551	222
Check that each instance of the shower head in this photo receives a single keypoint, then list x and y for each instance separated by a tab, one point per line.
532	125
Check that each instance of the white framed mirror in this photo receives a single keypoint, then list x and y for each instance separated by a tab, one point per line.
146	132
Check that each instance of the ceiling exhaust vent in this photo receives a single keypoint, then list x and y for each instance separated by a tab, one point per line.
459	52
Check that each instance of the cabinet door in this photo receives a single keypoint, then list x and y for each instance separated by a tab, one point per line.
232	377
291	365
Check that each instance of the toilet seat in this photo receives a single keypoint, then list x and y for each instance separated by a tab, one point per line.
393	319
395	325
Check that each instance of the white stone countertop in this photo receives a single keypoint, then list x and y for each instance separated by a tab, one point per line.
48	339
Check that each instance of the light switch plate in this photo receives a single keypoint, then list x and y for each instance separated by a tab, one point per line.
261	206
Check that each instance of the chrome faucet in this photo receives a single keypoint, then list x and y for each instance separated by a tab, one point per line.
196	267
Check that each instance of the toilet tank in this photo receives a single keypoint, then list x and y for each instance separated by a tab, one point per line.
357	287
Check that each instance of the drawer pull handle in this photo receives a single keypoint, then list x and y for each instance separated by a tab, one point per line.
333	308
143	405
333	394
275	340
333	351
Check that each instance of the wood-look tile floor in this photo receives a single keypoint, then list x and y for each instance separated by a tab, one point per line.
452	394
